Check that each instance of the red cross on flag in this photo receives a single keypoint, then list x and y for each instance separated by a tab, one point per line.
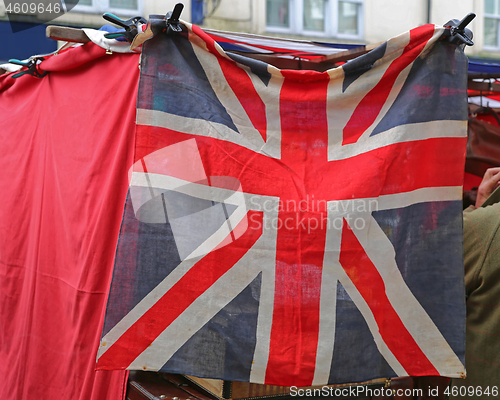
293	227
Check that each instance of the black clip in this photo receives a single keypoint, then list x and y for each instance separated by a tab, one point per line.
457	33
172	19
31	65
130	25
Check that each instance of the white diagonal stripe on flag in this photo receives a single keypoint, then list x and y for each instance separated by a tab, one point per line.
266	304
333	240
400	134
201	311
327	309
416	320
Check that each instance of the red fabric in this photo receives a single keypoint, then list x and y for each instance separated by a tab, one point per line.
489	94
471	181
486	117
70	58
67	142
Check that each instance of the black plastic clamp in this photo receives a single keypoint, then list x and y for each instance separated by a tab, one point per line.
457	33
130	25
32	67
172	20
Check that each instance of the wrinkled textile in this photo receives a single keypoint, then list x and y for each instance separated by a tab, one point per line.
293	227
67	142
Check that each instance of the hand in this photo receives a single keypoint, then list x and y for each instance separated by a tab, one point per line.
491	180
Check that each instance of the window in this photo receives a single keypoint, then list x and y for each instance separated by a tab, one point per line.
338	18
491	22
118	7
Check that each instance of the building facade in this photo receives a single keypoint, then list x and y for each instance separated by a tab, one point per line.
357	21
344	21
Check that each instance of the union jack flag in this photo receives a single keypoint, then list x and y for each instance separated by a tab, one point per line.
293	227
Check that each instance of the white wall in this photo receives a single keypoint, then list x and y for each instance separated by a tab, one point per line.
239	16
388	18
444	10
162	7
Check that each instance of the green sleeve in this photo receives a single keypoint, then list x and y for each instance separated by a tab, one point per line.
480	226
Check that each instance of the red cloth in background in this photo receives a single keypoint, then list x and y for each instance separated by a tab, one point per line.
67	143
471	181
